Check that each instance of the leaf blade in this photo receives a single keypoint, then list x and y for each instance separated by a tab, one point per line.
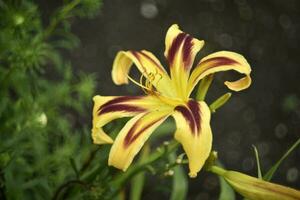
180	182
268	176
259	174
226	191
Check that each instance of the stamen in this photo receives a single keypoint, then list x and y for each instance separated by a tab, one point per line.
138	84
141	82
147	84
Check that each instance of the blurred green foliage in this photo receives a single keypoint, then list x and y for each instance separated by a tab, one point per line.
43	103
46	150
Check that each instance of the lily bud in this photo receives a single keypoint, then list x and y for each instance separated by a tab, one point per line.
220	102
256	189
203	87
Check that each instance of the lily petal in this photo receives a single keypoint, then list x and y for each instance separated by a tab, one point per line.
133	136
147	64
222	61
108	108
194	133
181	49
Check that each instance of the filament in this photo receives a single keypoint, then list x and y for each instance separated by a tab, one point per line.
146	82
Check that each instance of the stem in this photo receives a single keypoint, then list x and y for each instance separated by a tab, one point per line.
217	170
61	15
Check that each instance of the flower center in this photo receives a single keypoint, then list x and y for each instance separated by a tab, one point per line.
148	82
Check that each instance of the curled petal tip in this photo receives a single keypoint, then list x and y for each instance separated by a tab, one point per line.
99	137
96	97
174	26
123	168
239	85
192	174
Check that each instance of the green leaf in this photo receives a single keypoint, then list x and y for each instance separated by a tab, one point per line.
120	196
137	183
74	167
180	183
268	176
226	191
257	162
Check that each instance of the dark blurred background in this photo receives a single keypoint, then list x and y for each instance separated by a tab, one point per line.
267	33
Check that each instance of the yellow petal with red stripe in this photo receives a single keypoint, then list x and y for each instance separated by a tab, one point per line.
181	49
133	136
147	64
108	108
194	133
222	61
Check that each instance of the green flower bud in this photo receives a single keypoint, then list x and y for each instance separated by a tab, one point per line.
219	102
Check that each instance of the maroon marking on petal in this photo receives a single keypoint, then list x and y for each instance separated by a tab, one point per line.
218	61
121	107
133	134
135	53
188	115
195	109
187	52
118	100
152	60
175	47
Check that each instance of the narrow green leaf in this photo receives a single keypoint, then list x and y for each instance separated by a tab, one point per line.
203	87
137	183
74	167
268	176
120	196
219	102
226	191
180	183
257	162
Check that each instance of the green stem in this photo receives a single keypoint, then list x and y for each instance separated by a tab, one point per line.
61	15
217	170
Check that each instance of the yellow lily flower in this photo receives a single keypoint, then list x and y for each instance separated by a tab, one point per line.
166	95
